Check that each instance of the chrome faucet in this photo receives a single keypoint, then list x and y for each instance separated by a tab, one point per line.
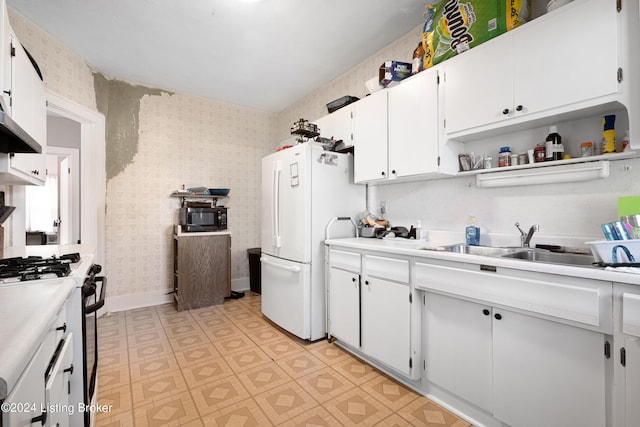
525	238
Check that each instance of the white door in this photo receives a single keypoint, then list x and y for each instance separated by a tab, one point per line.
478	95
632	380
413	126
370	138
57	386
457	340
64	202
386	323
569	72
344	306
537	378
286	201
286	294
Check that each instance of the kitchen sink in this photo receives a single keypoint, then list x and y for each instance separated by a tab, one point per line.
479	250
552	257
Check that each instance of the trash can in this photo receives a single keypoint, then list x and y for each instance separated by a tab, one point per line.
254	270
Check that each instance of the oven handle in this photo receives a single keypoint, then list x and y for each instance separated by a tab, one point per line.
100	303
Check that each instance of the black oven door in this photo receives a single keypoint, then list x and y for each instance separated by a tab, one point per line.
91	303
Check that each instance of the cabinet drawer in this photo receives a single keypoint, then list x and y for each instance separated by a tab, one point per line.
631	314
580	300
348	261
387	268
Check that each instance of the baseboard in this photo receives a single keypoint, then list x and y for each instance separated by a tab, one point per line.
129	302
148	299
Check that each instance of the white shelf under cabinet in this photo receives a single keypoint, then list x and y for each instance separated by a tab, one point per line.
570	170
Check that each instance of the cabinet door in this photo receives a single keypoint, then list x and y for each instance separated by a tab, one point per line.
413	125
57	388
547	373
479	85
370	138
457	345
337	125
5	59
344	306
386	323
562	60
632	381
29	110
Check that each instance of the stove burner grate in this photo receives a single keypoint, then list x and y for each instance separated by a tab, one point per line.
35	267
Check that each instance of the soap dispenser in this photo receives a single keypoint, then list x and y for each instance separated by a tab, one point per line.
472	232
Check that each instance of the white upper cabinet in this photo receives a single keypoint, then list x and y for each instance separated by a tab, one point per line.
370	138
24	101
337	125
554	65
413	126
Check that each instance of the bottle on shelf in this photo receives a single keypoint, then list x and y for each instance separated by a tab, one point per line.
504	157
472	232
417	64
554	148
608	134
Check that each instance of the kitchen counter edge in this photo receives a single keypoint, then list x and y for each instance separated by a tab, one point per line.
423	249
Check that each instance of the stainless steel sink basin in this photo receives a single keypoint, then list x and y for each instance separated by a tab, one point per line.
479	250
552	257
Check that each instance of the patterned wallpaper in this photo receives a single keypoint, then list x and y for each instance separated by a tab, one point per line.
187	140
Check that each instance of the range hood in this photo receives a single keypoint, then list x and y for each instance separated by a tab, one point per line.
14	139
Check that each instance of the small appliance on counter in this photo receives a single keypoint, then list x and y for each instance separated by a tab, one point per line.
201	219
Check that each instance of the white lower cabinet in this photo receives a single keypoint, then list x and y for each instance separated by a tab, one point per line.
344	306
547	373
632	381
627	354
386	323
457	347
524	370
370	308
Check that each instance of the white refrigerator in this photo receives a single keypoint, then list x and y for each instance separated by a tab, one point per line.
303	188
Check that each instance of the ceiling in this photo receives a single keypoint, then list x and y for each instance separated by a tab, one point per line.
264	54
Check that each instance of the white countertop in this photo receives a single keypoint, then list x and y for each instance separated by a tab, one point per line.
417	248
27	308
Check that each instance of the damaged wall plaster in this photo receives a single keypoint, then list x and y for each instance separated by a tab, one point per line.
120	103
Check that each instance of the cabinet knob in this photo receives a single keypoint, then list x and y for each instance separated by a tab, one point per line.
486	312
505	111
366	282
62	328
498	316
519	108
353	279
383	173
393	171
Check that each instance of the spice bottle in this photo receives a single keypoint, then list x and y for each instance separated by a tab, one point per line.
540	152
503	156
417	64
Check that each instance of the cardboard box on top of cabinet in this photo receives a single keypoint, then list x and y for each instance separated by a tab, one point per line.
393	71
454	26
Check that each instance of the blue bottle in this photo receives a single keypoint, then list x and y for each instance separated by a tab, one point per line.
473	232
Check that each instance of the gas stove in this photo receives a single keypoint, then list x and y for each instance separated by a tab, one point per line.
22	269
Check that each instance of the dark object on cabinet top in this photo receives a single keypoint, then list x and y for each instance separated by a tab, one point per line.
341	102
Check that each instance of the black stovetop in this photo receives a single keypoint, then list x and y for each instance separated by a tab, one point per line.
35	267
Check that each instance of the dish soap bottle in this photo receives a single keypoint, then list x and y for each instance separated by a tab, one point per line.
473	232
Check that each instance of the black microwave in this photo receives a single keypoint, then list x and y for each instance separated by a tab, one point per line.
203	219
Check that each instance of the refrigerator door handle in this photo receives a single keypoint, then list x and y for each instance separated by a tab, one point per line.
277	172
291	268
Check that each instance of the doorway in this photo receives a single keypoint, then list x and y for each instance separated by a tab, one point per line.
92	175
53	210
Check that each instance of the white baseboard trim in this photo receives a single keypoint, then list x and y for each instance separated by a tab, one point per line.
148	299
129	302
